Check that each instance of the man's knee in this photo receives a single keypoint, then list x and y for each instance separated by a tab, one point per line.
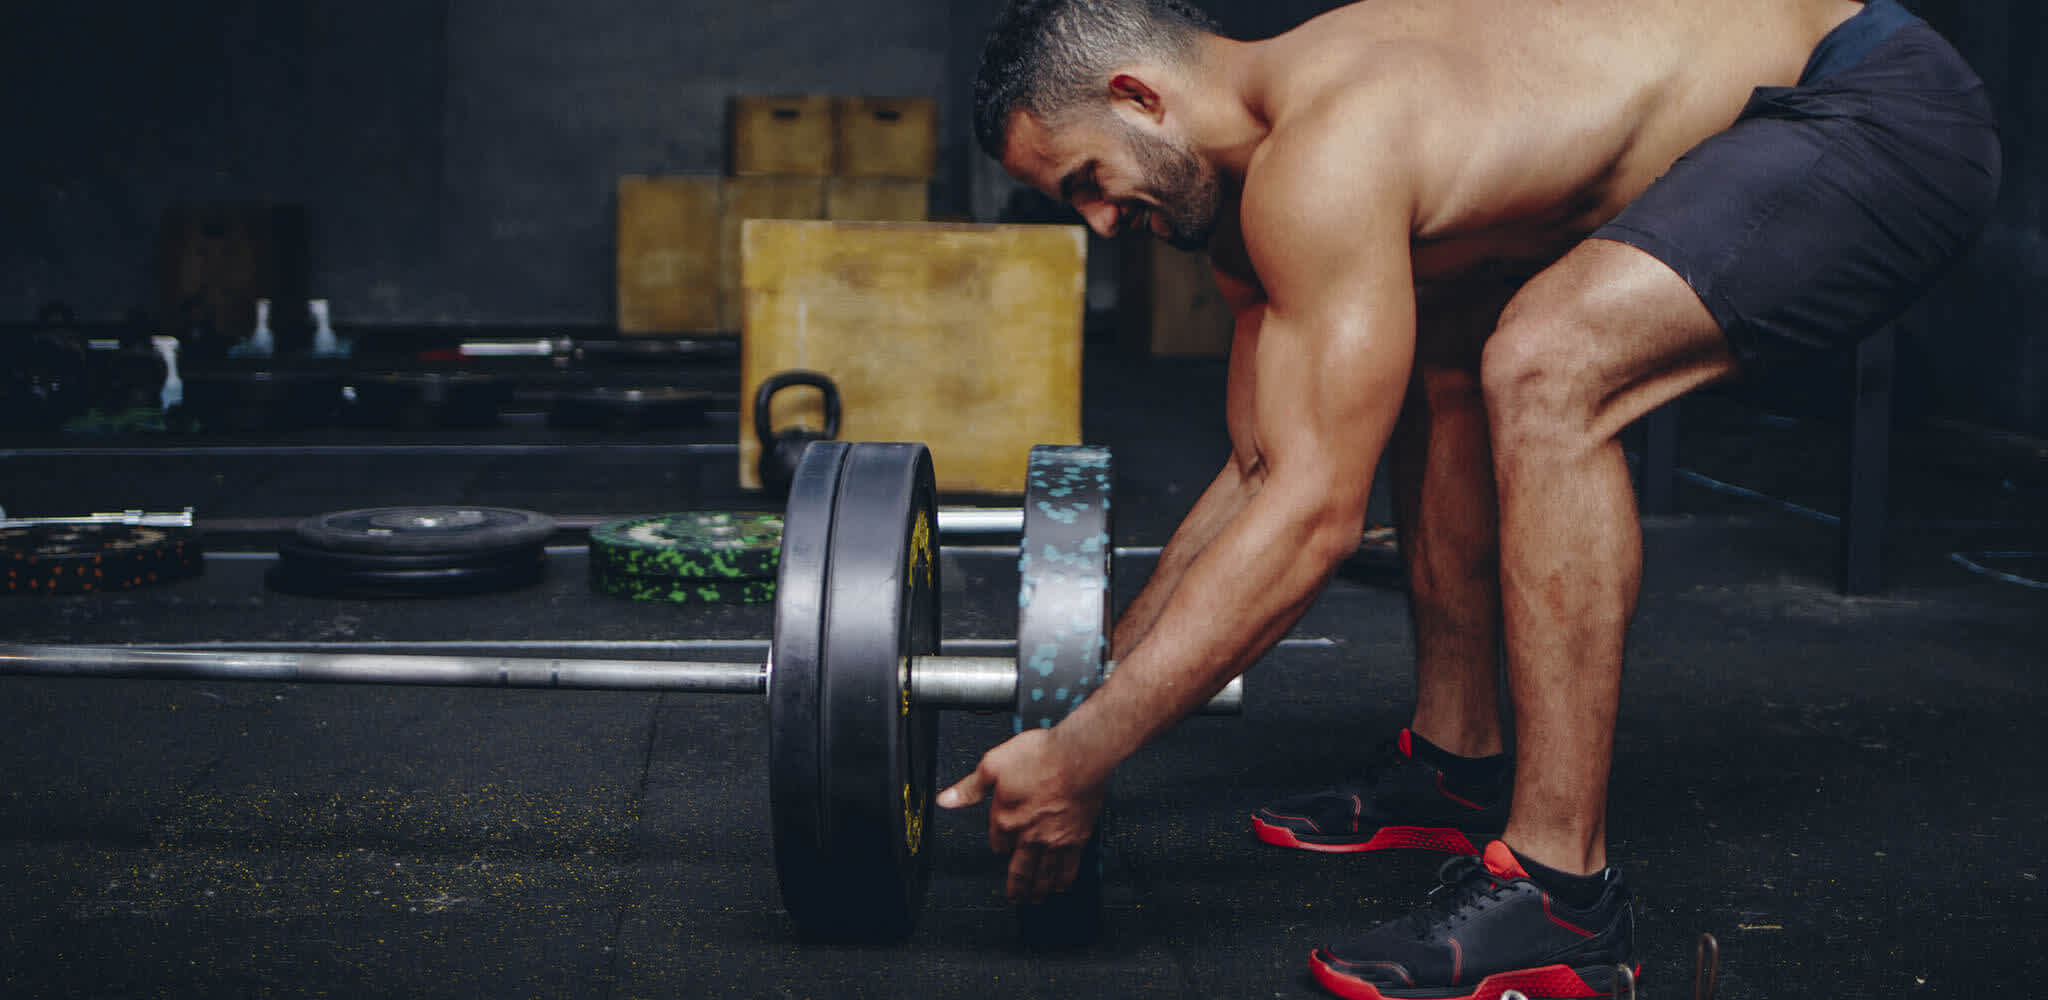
1604	337
1539	377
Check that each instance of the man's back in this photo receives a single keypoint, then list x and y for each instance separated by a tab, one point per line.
1536	120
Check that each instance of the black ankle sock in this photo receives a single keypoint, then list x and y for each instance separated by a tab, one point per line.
1461	772
1580	892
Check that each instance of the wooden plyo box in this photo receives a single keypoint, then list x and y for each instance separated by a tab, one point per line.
876	199
782	135
668	254
762	197
886	137
964	337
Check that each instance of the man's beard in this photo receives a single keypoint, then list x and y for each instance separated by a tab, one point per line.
1187	192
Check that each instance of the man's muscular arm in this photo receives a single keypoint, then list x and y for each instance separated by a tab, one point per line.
1217	505
1327	223
1328	232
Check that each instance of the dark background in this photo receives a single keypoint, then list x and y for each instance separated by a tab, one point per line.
458	159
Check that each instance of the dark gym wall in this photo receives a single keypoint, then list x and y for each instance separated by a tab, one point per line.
1984	331
459	157
116	110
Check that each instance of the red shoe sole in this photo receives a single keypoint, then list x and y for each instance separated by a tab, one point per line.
1420	838
1550	982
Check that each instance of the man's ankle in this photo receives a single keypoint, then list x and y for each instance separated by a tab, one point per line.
1566	855
1470	742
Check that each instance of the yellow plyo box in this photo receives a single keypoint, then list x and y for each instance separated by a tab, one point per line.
668	254
964	337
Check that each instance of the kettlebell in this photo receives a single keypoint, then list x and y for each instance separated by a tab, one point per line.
782	450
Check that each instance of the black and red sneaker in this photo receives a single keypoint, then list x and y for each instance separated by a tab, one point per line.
1486	930
1405	800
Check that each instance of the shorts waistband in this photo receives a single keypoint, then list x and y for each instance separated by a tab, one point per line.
1853	39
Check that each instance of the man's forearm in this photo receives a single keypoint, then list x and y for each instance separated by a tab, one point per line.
1214	509
1236	598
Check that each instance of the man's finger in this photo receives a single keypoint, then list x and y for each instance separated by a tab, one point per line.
1046	880
1069	867
965	792
1057	868
1024	862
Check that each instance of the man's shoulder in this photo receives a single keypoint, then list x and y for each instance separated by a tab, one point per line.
1368	80
1369	109
1368	138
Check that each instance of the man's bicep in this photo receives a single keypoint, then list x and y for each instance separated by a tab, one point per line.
1337	341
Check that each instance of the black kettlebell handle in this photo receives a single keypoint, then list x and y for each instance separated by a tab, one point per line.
782	380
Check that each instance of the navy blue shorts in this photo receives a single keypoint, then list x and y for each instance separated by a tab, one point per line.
1829	206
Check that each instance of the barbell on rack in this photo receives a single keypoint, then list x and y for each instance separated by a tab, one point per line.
854	674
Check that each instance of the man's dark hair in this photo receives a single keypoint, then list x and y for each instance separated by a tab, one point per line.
1049	56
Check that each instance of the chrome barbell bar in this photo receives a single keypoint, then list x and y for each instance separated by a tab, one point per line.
939	681
952	520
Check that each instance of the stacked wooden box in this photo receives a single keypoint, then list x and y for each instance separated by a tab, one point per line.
819	157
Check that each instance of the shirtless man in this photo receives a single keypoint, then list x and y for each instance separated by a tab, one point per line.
1463	230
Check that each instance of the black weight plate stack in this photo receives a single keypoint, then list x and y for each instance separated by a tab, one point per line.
425	399
87	558
428	530
303	569
861	874
795	664
705	557
413	552
628	408
1063	627
235	397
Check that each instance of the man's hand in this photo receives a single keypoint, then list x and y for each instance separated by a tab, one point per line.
1043	809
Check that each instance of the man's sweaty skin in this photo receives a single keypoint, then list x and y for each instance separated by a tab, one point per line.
1379	158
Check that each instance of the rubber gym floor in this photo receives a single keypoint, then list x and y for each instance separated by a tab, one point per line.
1845	791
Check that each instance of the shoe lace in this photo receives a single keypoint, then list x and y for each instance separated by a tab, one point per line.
1465	886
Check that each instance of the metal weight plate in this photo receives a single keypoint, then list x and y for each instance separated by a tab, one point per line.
87	558
422	530
309	571
1063	598
679	589
795	662
720	545
1063	629
880	752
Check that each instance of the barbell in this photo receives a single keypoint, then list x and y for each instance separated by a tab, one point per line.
854	673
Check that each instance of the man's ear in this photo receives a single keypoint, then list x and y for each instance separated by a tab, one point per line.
1124	87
